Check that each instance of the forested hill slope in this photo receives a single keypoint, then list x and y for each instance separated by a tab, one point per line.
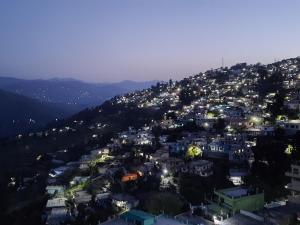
20	114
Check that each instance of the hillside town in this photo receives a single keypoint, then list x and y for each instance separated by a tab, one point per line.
220	147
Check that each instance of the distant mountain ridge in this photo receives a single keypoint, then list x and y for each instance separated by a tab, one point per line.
70	91
31	104
21	114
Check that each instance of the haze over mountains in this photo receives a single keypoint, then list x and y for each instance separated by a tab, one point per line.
31	104
70	91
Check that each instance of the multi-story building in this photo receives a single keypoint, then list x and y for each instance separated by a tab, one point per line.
202	168
228	202
291	126
294	174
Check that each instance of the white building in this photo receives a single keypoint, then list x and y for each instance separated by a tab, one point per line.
56	203
124	202
82	197
202	168
236	176
55	189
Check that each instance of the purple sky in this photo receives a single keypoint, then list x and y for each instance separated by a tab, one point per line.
142	39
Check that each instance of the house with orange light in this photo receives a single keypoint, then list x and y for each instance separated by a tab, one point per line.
131	176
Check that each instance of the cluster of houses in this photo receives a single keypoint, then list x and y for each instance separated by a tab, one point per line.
228	115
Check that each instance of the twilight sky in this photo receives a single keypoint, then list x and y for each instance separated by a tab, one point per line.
112	40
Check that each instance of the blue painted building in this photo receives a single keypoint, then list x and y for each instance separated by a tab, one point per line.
217	149
138	217
178	148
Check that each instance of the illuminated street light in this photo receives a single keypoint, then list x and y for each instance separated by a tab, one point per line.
165	171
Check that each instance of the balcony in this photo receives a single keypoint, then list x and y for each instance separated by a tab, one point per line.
293	186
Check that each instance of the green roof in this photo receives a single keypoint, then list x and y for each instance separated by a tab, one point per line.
235	192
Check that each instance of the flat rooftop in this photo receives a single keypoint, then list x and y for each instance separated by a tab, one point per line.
56	202
278	214
241	219
161	220
293	121
235	192
138	214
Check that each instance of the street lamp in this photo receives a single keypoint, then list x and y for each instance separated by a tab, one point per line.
165	171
